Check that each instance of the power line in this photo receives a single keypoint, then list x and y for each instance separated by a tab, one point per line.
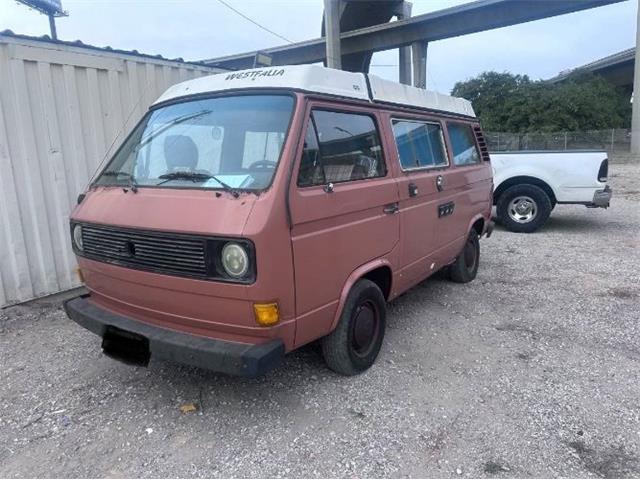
254	22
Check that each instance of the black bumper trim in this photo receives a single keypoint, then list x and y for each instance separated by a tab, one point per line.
218	355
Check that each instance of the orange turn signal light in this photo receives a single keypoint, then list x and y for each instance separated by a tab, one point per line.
267	314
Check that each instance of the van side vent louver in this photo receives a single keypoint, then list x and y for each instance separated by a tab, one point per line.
484	148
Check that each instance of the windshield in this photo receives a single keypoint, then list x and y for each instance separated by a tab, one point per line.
221	143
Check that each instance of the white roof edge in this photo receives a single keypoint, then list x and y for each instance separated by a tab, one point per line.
318	79
396	93
310	78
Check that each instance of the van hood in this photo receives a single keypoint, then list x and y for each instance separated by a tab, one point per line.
206	212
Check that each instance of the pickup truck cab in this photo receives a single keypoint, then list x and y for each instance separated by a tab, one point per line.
529	184
253	212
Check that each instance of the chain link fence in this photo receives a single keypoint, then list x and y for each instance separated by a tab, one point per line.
612	140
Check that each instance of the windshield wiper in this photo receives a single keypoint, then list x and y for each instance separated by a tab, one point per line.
196	177
193	176
133	185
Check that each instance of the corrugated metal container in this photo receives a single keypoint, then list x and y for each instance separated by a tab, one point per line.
62	109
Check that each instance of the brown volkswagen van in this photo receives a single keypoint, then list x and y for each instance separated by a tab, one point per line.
253	212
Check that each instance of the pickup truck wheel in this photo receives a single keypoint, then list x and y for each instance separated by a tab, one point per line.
523	208
355	343
465	267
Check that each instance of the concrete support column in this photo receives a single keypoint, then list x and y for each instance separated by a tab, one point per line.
635	115
52	27
332	13
404	53
419	50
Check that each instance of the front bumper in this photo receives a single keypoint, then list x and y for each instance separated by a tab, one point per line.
131	341
602	198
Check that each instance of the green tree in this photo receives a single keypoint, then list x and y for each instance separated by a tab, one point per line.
514	103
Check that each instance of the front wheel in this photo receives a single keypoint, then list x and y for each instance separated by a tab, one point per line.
523	208
465	267
355	343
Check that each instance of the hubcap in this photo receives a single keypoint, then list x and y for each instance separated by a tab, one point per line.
522	209
365	326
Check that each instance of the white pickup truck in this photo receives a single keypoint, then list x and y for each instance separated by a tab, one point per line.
529	184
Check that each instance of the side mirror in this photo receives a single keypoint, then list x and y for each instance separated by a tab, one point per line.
328	187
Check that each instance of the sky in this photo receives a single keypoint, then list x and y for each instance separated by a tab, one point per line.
200	29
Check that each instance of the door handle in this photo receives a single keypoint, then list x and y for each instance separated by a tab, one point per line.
439	183
391	208
413	189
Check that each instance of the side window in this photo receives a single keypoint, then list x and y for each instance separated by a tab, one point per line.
347	148
420	144
463	144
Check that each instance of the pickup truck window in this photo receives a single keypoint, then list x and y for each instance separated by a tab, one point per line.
463	143
420	144
340	147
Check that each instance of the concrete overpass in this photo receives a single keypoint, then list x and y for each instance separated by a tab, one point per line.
464	19
617	69
352	50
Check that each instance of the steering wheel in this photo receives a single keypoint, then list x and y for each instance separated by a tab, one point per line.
262	164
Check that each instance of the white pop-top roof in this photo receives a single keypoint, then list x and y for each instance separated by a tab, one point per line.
317	79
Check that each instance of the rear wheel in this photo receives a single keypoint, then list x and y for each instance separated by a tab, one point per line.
465	267
523	208
355	343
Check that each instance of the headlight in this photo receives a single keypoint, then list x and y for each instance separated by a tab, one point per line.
235	260
77	237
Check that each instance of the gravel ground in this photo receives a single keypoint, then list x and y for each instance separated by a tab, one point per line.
531	370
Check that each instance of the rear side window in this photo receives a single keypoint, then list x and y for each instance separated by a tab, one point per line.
420	144
463	144
340	147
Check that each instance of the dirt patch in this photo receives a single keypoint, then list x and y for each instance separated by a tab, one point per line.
494	468
513	327
612	462
622	293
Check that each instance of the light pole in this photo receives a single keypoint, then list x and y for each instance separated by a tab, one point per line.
635	108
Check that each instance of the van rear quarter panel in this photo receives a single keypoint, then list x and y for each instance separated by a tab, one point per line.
470	187
425	238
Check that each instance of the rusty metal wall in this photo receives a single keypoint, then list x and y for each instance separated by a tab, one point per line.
62	109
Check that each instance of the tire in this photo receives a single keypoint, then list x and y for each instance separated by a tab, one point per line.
465	267
523	208
355	343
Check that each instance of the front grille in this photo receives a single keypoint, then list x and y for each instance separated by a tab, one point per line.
169	253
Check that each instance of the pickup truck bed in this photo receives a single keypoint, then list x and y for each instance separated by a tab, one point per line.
529	184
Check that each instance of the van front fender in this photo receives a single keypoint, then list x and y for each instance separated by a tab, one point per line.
356	275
